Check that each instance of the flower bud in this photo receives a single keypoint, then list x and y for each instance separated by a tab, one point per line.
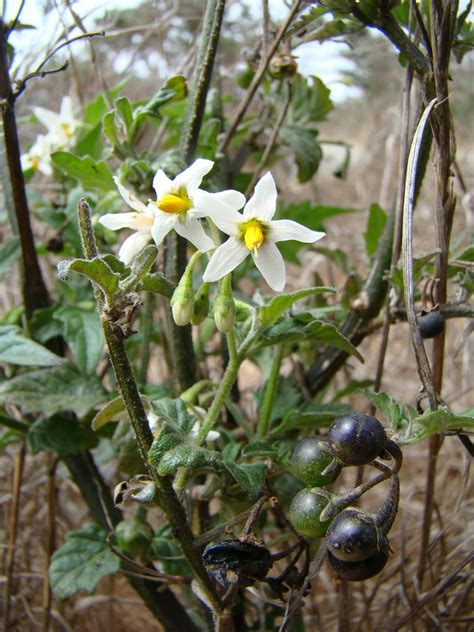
182	301
201	304
224	307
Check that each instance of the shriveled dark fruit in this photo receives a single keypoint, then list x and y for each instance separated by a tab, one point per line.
357	438
238	562
358	571
305	511
283	66
310	459
431	324
352	536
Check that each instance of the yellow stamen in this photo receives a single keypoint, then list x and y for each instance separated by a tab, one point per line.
253	238
34	162
67	129
170	203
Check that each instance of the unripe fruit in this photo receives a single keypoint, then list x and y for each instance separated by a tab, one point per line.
283	66
305	511
358	571
352	536
310	459
431	324
357	439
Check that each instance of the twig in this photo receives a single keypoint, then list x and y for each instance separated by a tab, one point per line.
271	141
438	590
257	79
21	83
14	22
13	531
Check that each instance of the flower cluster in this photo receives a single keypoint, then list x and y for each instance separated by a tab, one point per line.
180	204
61	128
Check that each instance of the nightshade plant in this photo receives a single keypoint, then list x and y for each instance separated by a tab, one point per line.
218	510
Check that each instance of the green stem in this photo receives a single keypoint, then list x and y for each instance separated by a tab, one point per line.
211	29
269	394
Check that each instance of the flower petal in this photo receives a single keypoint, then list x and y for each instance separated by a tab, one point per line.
47	117
65	111
284	229
162	225
262	204
225	259
162	184
235	199
270	263
192	177
116	221
212	435
224	216
133	245
130	198
192	230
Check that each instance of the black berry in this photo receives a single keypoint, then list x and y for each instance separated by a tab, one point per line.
431	324
357	439
358	571
352	536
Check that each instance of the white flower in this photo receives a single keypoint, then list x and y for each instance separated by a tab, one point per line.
141	221
38	157
155	426
62	126
254	233
179	205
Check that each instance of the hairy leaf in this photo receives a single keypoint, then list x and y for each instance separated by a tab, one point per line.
279	304
15	348
91	174
10	253
60	434
81	562
375	227
48	391
83	333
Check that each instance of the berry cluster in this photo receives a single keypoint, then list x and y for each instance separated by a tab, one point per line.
356	540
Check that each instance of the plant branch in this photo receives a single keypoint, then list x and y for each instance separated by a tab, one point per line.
138	418
35	294
269	394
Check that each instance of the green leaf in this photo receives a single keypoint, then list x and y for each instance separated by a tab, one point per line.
187	456
175	89
60	434
111	411
307	150
375	227
168	439
7	437
174	412
48	391
81	562
260	449
168	553
312	416
124	109
110	129
293	330
156	282
91	174
435	422
279	304
310	103
96	270
250	476
10	253
394	413
83	334
15	348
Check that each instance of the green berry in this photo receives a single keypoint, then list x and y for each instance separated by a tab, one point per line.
310	459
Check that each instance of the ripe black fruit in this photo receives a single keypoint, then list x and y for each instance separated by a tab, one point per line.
358	571
431	324
352	536
310	459
357	439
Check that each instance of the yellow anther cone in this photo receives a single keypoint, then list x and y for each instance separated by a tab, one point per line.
172	204
253	237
